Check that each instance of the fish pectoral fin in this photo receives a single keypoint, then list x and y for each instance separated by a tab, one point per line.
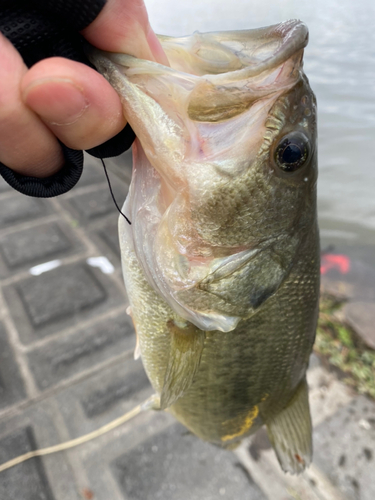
290	433
183	362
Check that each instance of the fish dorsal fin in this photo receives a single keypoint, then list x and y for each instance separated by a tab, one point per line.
290	433
184	359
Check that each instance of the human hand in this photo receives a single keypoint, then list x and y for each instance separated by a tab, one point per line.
62	99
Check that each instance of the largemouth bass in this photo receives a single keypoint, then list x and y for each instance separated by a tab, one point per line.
221	261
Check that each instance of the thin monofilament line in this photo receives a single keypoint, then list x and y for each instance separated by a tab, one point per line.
110	189
146	405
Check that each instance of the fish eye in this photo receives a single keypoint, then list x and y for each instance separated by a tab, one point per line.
292	152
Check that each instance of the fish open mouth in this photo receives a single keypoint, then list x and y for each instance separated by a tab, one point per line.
268	56
243	53
199	124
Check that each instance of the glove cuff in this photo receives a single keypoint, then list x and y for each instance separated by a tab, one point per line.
59	183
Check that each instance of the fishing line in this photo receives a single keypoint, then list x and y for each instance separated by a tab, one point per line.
146	405
113	196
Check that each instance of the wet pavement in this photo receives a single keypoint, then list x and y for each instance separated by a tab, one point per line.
67	368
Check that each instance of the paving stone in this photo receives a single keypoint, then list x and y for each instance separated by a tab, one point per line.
81	350
259	443
11	384
103	397
60	293
27	481
361	317
99	401
175	465
344	448
97	203
41	305
34	244
109	234
152	457
120	167
45	478
327	394
20	208
92	172
4	186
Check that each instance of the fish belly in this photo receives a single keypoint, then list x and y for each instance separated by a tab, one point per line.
247	376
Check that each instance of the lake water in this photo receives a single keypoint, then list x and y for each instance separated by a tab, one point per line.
340	64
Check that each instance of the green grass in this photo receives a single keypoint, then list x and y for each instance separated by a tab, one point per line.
344	349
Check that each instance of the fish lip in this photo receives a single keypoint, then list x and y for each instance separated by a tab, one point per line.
293	36
269	61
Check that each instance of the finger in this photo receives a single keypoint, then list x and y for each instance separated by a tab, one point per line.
75	102
27	146
123	26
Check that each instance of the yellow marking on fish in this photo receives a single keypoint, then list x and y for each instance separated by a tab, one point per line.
249	420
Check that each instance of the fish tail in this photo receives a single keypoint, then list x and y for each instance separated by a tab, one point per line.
290	433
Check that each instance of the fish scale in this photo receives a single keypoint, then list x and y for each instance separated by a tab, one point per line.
273	377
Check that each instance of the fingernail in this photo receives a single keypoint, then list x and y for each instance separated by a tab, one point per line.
57	101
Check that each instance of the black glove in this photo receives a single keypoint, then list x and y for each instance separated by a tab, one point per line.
46	28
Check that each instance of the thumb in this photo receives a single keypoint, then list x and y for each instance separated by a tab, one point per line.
123	26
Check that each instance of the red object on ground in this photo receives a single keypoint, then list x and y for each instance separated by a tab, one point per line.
335	261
